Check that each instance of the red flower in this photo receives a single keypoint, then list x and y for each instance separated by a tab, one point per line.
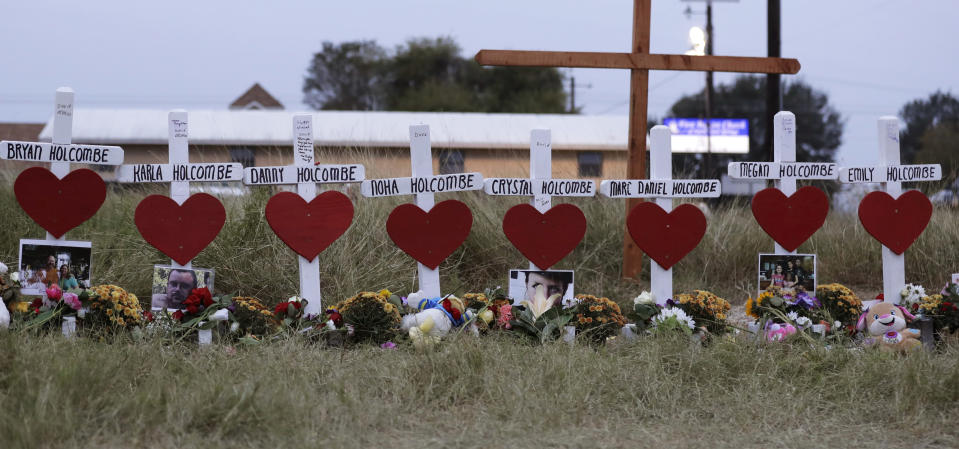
192	309
335	317
203	295
280	308
915	306
178	315
149	316
452	310
945	305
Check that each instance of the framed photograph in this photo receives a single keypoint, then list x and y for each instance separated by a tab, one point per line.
787	271
172	286
522	283
955	278
48	262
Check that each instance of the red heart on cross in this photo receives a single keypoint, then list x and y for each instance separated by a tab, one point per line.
180	231
309	228
544	238
430	237
896	223
791	220
666	237
59	205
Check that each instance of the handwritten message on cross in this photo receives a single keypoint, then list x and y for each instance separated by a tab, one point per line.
666	234
788	215
639	61
544	234
310	223
894	218
428	232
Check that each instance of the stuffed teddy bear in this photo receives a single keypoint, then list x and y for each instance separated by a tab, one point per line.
435	317
886	326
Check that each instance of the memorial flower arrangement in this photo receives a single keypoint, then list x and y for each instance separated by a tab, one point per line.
538	318
839	303
597	318
250	318
290	313
47	311
370	315
672	319
644	309
911	295
942	307
709	310
111	308
784	306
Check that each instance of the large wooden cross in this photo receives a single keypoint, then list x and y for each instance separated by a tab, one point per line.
639	62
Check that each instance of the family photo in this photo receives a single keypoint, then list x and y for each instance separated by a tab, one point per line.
172	285
44	263
523	283
795	271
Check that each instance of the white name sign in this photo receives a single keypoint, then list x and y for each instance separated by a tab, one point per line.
530	187
782	170
428	184
674	188
317	174
893	173
52	152
180	172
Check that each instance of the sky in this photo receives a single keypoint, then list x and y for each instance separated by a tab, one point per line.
870	56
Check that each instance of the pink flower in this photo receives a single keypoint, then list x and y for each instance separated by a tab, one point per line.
388	345
505	315
72	300
54	292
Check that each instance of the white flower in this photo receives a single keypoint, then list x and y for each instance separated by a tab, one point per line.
234	327
912	294
674	313
803	322
15	276
793	316
644	298
3	268
540	303
294	299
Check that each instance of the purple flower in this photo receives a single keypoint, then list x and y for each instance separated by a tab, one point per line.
804	300
388	345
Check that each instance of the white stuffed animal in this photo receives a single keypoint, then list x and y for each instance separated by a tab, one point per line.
436	316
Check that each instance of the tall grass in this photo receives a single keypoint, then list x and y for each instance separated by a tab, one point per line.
490	392
251	260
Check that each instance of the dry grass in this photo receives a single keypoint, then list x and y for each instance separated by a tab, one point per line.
490	392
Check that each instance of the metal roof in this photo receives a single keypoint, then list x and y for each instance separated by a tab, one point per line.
348	128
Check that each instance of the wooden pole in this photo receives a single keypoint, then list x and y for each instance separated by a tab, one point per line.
636	156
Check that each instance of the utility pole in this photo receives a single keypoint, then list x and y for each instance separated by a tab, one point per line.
572	94
708	160
773	88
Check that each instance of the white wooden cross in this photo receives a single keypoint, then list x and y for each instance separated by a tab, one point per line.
890	174
784	169
179	172
60	152
540	185
424	185
663	188
306	175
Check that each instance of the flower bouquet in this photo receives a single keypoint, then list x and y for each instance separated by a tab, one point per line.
707	309
596	319
250	320
671	320
839	304
942	307
369	316
781	312
112	308
644	309
47	311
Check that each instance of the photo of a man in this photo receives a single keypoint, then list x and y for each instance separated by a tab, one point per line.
523	283
172	286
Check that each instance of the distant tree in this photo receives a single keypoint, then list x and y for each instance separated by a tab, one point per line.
347	76
818	123
920	117
940	145
425	74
